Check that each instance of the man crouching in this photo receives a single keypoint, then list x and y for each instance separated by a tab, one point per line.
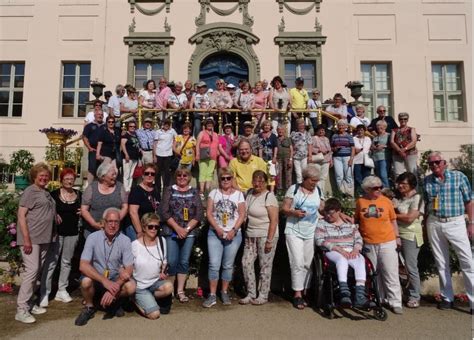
107	266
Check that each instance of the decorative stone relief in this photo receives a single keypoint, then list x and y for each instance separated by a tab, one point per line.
231	38
207	6
135	4
316	4
148	46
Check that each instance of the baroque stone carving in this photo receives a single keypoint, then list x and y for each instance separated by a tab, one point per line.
135	4
316	4
148	50
132	26
299	50
232	38
207	6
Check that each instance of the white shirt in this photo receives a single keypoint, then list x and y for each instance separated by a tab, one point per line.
226	208
90	117
313	104
147	262
114	103
164	139
358	121
342	110
361	143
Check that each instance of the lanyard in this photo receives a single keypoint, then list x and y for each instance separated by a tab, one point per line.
160	257
107	257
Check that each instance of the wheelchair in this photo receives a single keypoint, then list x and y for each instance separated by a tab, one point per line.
326	286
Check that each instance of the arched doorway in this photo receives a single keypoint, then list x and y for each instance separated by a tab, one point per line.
228	66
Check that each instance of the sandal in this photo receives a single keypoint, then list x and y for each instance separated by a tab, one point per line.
246	300
298	303
182	297
259	301
413	303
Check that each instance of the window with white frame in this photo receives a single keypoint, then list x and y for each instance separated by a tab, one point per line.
304	69
12	76
147	69
448	94
75	88
377	90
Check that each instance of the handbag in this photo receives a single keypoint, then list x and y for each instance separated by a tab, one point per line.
205	152
318	158
368	161
138	172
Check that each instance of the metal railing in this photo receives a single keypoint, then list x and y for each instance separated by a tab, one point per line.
269	113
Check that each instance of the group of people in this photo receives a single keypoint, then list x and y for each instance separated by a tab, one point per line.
138	245
349	143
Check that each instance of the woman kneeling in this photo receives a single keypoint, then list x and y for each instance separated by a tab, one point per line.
344	243
149	270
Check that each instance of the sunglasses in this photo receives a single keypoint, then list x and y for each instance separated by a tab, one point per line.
149	173
438	162
376	188
182	175
153	227
226	178
111	121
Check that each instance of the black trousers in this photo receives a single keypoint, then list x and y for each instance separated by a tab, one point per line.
164	172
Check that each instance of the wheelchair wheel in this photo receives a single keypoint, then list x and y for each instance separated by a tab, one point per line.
318	284
380	314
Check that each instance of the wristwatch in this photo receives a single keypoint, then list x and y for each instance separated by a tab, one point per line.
188	229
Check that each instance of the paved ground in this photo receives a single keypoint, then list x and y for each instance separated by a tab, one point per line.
276	320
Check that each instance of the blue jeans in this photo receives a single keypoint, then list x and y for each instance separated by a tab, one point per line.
360	172
179	252
381	170
343	171
197	124
222	252
130	233
145	298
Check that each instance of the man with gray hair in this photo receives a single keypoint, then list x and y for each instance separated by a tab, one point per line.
114	101
448	196
107	267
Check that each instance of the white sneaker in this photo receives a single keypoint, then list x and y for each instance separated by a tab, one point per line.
44	302
24	316
63	296
37	310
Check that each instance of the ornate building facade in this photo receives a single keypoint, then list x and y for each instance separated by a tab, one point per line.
412	56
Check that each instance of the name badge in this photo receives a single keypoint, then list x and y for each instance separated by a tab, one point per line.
106	273
185	214
225	219
436	203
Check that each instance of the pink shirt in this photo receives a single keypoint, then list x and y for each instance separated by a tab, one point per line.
161	98
213	143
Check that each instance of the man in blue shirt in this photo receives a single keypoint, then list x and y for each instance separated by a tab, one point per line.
107	267
448	196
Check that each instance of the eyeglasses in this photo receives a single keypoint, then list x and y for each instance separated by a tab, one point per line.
182	175
132	126
153	227
149	173
437	162
112	221
402	119
98	105
382	111
110	121
226	178
376	188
